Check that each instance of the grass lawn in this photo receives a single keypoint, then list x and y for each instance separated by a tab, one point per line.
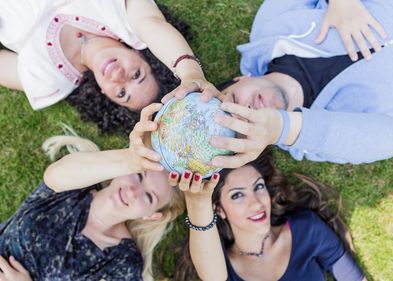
218	27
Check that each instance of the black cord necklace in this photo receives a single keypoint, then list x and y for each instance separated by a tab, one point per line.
260	254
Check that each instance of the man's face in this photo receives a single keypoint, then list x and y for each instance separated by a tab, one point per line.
256	93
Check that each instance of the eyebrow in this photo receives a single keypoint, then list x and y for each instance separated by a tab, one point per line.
242	188
140	81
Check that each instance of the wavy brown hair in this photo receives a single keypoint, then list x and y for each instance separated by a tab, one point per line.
110	117
288	196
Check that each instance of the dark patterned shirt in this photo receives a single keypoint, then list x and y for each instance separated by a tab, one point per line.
45	236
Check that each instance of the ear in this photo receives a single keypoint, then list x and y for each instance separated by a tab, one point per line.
220	212
238	78
153	217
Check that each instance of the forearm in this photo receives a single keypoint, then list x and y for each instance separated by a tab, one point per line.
8	71
205	246
166	43
82	169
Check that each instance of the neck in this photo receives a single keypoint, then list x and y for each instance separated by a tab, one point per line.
291	88
252	243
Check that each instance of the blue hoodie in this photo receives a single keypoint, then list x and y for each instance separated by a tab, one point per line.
351	121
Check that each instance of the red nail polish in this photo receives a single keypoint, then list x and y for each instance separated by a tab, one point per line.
215	176
197	177
173	175
187	174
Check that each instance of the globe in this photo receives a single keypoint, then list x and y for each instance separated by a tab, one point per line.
182	137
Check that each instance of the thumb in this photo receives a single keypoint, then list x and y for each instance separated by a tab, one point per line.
17	265
323	32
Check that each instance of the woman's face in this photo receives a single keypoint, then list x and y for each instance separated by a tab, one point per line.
137	195
123	75
245	201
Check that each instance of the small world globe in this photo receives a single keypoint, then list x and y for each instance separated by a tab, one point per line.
182	137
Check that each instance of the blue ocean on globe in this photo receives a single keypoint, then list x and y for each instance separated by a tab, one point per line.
184	129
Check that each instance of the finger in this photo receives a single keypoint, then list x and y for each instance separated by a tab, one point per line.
144	126
183	90
371	39
235	161
17	265
5	266
323	32
149	110
173	178
378	27
212	183
148	153
240	126
209	91
233	144
185	180
167	97
348	44
241	110
151	165
359	39
196	185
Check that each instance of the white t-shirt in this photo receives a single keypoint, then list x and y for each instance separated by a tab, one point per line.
31	28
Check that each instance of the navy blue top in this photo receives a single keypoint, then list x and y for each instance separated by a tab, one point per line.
45	236
315	250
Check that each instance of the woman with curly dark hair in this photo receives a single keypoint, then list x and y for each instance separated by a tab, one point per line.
267	228
53	43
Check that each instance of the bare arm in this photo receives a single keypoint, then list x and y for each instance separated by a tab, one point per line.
82	169
205	246
167	44
8	71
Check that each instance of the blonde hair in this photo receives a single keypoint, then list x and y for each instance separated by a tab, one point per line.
147	234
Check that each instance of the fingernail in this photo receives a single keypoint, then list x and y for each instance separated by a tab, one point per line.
187	175
197	177
215	176
213	141
173	175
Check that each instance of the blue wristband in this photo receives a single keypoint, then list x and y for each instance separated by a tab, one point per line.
285	127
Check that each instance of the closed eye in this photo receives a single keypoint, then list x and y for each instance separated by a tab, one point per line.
149	197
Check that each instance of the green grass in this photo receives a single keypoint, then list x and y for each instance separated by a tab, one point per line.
218	26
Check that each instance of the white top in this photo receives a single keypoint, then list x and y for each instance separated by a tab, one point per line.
31	28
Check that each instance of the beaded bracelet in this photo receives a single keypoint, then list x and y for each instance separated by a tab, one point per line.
201	228
285	127
183	57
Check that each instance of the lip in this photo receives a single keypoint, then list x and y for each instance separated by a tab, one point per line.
108	66
123	197
259	217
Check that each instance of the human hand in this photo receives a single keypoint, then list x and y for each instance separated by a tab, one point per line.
12	270
141	155
352	21
259	127
188	85
195	189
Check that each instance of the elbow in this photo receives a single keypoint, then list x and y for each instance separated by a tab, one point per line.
51	178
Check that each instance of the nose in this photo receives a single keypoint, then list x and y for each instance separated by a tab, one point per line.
255	203
135	191
118	75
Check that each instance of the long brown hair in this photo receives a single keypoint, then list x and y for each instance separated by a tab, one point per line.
286	198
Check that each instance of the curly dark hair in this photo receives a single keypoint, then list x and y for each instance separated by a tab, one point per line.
111	117
286	199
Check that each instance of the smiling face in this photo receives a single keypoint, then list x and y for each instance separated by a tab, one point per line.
245	201
123	75
256	93
136	195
